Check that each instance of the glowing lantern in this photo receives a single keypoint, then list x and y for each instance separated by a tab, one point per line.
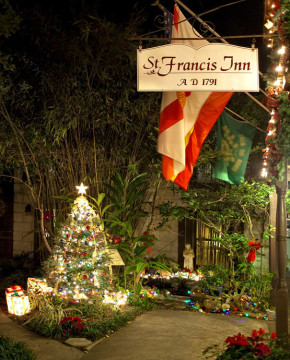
37	286
17	302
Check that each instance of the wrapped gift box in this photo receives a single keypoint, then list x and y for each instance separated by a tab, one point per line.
37	286
14	291
17	302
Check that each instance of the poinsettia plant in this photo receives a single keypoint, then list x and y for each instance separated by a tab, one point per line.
72	325
241	347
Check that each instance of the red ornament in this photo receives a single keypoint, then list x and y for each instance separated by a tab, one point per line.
88	227
104	273
85	254
85	277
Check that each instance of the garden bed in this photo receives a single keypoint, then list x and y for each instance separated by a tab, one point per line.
78	322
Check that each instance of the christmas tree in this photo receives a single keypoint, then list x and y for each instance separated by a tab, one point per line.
78	268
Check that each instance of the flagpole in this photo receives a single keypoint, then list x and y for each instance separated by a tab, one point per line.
224	41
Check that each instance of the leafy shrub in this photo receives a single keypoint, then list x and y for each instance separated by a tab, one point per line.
256	346
46	329
97	310
214	278
140	302
14	351
97	329
52	319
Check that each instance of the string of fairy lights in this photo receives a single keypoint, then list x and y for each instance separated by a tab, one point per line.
272	154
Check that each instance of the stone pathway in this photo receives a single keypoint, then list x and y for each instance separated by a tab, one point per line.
171	335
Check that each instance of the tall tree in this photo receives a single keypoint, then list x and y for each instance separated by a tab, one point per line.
68	93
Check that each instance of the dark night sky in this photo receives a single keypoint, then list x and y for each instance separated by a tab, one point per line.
244	18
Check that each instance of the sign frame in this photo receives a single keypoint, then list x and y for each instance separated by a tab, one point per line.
210	67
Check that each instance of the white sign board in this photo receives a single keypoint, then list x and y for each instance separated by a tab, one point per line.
115	257
212	67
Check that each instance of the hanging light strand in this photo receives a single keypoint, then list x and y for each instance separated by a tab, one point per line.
272	154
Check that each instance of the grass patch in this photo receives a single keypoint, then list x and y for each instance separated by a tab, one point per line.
10	350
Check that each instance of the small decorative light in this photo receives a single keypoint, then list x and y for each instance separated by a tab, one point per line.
281	51
82	189
264	173
269	24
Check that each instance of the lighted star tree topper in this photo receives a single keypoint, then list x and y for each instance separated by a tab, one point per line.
78	268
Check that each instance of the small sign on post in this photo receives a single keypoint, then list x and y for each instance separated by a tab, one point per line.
212	67
115	259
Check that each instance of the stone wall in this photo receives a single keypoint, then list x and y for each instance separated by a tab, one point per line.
23	226
168	234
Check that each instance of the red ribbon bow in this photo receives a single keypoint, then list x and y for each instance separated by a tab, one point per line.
254	247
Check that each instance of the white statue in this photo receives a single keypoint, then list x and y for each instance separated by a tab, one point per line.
188	257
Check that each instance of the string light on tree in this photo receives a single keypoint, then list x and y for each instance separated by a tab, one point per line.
78	268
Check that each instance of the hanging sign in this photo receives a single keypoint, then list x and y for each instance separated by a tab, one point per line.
212	67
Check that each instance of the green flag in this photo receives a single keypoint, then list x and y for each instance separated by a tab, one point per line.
233	144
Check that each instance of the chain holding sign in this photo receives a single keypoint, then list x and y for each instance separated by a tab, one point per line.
212	67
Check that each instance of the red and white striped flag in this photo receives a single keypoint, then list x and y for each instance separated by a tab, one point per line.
186	117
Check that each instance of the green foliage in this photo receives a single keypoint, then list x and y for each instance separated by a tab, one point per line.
52	319
9	20
127	197
95	329
259	286
141	301
164	259
49	311
285	17
96	310
214	278
12	350
238	281
225	209
284	112
221	207
86	118
288	201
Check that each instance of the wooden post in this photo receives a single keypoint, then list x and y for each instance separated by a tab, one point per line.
281	287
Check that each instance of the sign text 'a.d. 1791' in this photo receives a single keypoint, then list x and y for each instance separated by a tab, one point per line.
212	67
